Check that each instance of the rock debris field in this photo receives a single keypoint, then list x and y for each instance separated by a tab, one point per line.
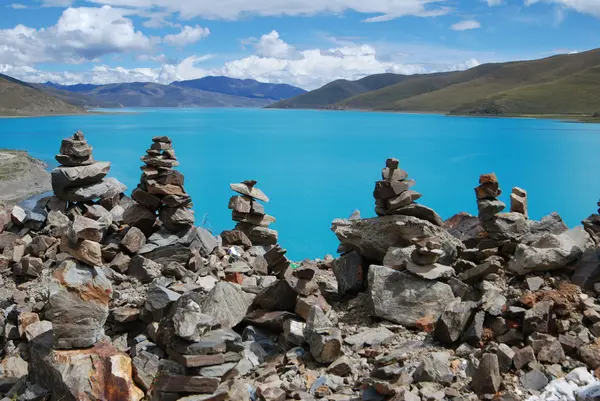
106	297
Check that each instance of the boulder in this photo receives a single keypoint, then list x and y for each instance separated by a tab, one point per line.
134	240
279	296
78	298
227	304
404	298
487	379
373	237
106	188
74	177
176	219
101	373
454	321
88	252
550	252
140	217
350	273
506	226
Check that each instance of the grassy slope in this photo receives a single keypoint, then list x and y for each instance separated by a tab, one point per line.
21	99
339	90
74	98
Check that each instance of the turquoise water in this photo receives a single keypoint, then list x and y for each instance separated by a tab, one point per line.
317	166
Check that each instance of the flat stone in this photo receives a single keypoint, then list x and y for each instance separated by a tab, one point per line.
85	251
534	283
258	235
73	177
263	220
370	338
534	380
403	298
78	297
420	212
146	199
402	200
186	384
240	204
159	161
106	188
250	191
430	272
74	161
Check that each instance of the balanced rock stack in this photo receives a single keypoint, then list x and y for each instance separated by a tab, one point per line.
161	187
253	225
505	226
79	178
393	192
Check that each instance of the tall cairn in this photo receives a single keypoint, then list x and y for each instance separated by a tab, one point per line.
81	179
161	187
393	192
252	229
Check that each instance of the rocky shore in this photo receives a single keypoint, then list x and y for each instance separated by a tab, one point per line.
117	298
21	176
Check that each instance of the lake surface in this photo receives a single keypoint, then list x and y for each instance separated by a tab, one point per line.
317	166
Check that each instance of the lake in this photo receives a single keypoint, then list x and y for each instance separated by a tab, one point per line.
317	165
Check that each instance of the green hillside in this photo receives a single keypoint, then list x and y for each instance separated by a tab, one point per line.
338	90
563	84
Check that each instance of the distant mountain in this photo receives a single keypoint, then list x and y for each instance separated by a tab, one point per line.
242	87
77	98
20	98
563	84
339	90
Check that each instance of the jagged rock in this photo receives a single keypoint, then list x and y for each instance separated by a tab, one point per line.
106	188
398	258
401	200
78	297
340	367
158	300
523	357
189	321
454	321
176	219
145	369
100	373
324	340
403	298
505	357
146	199
31	266
134	240
507	226
551	223
489	266
12	369
466	228
474	333
486	379
534	380
435	367
370	338
280	296
550	252
140	217
235	237
143	269
586	271
227	304
488	209
350	273
373	237
534	283
84	228
85	251
258	235
293	332
73	177
590	355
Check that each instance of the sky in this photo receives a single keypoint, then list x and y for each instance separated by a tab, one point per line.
306	43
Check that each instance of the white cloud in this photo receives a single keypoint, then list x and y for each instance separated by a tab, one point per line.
591	7
466	25
493	3
234	9
17	6
274	61
188	35
80	34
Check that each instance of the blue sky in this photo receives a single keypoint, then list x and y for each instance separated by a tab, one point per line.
301	42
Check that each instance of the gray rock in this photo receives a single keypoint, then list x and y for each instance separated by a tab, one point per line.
143	269
435	367
420	212
249	190
454	321
403	298
523	357
293	332
586	271
551	352
86	229
534	380
534	283
74	177
373	237
507	226
227	304
280	296
12	369
487	379
550	252
145	369
217	370
474	333
398	258
176	219
466	228
258	235
134	240
538	318
158	300
106	188
140	217
340	367
78	297
505	357
350	273
475	274
489	208
189	321
552	224
370	338
590	355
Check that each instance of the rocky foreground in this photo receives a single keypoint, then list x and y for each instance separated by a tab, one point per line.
21	176
112	298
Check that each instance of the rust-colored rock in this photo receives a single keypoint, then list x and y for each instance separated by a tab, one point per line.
426	324
488	178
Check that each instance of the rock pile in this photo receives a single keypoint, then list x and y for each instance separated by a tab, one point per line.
393	191
161	191
252	229
81	179
413	309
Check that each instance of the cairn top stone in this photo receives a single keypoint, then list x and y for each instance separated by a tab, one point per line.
248	188
161	139
489	178
78	136
392	163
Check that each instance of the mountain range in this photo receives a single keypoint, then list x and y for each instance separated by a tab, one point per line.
52	98
566	84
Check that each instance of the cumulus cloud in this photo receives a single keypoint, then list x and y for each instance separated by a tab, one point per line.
80	34
188	35
234	9
591	7
466	25
274	61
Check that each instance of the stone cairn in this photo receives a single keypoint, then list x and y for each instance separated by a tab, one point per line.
393	192
518	201
252	229
161	189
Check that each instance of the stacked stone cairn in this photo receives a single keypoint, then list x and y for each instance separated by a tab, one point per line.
393	192
252	229
161	189
518	201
